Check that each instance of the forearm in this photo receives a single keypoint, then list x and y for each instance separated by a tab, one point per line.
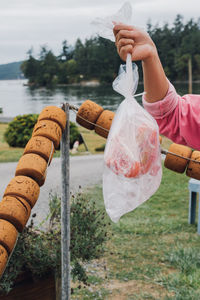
155	81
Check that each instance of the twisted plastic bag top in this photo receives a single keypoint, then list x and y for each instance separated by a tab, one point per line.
105	25
127	80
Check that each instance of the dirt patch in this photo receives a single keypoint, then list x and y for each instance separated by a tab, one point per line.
124	290
127	290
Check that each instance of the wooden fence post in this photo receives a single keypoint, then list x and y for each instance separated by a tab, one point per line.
65	211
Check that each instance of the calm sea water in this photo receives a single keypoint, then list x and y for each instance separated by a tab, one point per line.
16	99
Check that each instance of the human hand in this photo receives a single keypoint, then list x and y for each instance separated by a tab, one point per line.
137	42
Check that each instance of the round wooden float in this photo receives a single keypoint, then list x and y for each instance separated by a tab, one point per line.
193	168
3	259
55	114
42	146
174	162
105	121
24	187
34	166
8	235
89	111
48	129
15	210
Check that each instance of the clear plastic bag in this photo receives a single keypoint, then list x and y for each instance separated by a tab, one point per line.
105	25
132	160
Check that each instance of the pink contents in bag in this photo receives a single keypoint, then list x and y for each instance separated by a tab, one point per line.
122	161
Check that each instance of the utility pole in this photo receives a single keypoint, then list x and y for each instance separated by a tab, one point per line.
190	75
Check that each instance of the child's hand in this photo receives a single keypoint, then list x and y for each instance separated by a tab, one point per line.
135	41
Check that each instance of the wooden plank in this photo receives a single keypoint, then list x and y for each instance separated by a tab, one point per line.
28	289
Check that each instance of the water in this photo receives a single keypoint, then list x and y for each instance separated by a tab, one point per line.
16	99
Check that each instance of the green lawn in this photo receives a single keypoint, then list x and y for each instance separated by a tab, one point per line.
152	252
8	154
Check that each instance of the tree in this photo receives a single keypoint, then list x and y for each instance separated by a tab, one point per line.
66	52
97	58
49	68
80	56
30	68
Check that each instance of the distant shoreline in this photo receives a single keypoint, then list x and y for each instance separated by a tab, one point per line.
89	82
6	119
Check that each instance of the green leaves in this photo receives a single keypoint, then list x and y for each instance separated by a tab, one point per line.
39	252
19	131
175	44
88	230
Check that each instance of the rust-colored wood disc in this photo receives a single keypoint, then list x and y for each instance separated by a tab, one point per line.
105	121
88	111
15	210
193	168
55	114
34	166
25	187
176	163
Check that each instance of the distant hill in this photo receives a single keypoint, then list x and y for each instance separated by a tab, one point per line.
11	71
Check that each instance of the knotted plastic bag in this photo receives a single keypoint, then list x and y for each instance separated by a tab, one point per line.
132	160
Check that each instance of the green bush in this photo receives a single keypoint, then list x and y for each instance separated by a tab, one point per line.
74	134
19	130
88	231
39	252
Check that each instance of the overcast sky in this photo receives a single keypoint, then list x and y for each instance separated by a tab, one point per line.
32	23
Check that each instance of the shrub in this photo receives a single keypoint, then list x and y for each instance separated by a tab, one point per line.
19	130
39	252
88	231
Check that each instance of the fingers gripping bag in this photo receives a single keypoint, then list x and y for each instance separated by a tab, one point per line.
132	161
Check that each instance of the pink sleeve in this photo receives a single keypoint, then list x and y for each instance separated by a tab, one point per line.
178	117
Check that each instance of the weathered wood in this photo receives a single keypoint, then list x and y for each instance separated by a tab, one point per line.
84	142
65	211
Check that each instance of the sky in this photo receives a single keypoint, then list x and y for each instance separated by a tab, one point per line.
26	24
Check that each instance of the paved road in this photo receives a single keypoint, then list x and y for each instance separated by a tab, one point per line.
84	171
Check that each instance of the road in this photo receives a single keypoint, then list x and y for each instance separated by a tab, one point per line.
84	171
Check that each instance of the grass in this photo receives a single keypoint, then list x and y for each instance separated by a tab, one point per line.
152	253
10	154
93	141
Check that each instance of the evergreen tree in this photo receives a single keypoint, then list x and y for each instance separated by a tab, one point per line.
97	58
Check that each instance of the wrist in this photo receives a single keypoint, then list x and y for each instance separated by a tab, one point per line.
152	55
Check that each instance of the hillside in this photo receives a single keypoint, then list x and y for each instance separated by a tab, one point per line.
11	71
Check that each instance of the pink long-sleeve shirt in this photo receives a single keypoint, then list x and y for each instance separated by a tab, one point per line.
178	117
